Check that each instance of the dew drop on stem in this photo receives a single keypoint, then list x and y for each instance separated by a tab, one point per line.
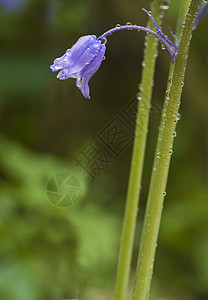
128	24
178	116
104	40
139	97
164	5
170	80
167	94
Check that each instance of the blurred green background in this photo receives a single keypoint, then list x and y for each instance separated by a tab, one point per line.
51	250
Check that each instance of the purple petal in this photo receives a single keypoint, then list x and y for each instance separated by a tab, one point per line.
85	88
73	61
84	58
90	70
68	59
169	46
80	46
81	62
64	74
200	15
175	38
59	63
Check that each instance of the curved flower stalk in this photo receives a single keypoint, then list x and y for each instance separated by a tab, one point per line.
85	57
171	48
201	13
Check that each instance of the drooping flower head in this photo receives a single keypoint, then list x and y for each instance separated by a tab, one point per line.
81	62
85	57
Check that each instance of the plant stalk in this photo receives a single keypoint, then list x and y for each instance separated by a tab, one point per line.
134	186
161	164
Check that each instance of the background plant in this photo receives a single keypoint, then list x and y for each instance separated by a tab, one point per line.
39	116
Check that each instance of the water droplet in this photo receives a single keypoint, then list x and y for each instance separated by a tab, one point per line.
183	24
171	152
163	47
104	40
164	194
178	116
139	97
104	57
158	155
128	24
165	5
167	94
170	80
118	25
174	134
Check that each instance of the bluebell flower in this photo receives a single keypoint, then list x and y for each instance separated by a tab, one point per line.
201	13
85	57
81	62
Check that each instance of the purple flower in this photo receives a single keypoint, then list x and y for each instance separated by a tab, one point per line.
201	13
85	57
81	62
12	5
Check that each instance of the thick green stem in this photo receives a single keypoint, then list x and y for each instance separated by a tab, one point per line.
161	164
181	18
144	103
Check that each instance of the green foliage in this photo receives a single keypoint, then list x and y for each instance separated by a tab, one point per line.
52	253
48	252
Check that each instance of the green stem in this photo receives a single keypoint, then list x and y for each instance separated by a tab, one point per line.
161	164
181	18
144	103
